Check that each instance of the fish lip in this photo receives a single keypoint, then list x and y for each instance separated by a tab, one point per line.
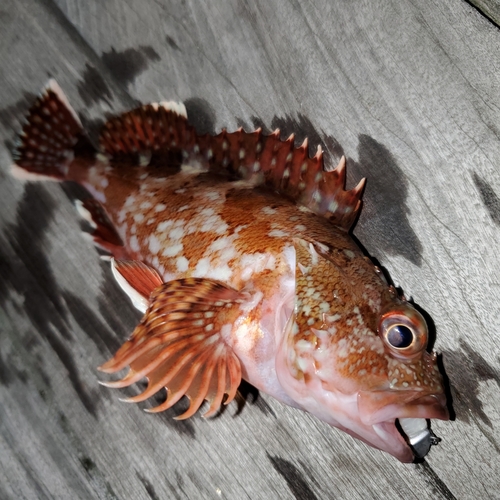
381	406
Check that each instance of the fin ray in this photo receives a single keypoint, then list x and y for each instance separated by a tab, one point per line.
198	389
216	392
179	385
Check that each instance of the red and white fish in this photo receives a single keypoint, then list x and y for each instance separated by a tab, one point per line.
237	249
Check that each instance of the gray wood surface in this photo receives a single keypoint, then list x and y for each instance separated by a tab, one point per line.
408	90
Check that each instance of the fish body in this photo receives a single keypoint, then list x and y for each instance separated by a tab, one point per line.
237	249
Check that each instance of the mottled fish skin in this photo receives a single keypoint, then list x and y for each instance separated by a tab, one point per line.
198	225
238	250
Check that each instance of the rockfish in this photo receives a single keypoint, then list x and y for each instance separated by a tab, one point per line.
236	248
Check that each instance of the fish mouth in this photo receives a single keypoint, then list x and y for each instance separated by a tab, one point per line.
409	444
403	421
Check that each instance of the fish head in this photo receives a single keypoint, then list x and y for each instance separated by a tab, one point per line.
354	352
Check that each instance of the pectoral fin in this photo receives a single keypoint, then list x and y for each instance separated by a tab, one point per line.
179	345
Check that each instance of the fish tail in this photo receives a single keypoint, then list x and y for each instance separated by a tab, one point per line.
50	138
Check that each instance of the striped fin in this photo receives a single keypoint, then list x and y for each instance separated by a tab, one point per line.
179	345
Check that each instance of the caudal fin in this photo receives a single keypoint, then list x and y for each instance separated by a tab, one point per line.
49	138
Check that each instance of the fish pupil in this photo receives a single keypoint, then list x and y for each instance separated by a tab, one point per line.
400	336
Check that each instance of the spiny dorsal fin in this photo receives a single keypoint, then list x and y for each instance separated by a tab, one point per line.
290	171
161	134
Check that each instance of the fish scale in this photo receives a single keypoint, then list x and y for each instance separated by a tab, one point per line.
237	249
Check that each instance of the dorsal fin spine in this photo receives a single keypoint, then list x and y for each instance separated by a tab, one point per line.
340	171
358	190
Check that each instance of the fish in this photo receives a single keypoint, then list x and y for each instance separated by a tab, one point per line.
238	250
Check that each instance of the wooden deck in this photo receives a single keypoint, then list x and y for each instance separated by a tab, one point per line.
408	90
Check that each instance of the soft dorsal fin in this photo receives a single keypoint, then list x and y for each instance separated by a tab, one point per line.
153	130
161	135
180	345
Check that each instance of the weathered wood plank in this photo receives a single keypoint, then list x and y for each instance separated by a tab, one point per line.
408	91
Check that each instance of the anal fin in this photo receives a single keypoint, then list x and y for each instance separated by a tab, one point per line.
103	232
179	345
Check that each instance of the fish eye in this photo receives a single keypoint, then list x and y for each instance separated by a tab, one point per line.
399	336
404	331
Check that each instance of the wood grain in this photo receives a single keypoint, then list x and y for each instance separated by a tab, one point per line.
407	90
